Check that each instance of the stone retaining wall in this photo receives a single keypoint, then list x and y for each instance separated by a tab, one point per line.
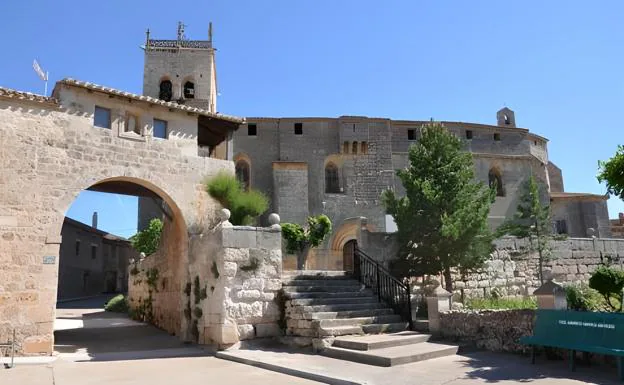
494	330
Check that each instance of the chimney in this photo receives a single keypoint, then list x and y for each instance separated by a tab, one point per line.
94	220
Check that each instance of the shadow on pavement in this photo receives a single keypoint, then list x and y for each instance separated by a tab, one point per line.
497	367
85	332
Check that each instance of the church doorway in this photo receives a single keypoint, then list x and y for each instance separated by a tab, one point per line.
348	252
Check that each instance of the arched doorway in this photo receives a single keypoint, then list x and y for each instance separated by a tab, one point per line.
95	266
348	252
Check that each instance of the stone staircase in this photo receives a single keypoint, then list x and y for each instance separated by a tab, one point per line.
345	320
325	304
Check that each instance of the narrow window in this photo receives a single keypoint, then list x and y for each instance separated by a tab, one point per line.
93	251
497	137
252	130
77	247
411	134
102	117
354	148
506	117
189	90
242	173
468	134
332	184
345	147
298	128
364	148
160	129
495	181
165	93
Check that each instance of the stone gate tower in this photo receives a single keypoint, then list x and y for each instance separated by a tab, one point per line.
181	70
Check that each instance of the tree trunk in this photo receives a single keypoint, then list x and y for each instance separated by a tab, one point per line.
302	257
448	280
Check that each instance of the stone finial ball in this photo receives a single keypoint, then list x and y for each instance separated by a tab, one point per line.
224	215
274	219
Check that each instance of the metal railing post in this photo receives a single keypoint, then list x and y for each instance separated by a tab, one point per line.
409	307
377	276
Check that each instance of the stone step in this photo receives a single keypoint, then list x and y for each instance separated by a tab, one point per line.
382	319
314	274
348	314
327	295
393	327
321	282
334	301
380	341
342	307
340	331
322	289
397	355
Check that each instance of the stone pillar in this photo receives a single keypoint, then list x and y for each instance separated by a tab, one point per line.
551	295
438	301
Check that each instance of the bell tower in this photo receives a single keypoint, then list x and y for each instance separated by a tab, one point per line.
181	70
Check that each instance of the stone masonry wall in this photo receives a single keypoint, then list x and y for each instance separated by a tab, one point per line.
494	330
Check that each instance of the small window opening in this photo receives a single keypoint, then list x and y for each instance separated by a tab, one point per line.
364	148
561	227
497	137
411	134
102	117
354	148
189	90
166	90
252	130
93	251
345	148
468	134
77	247
298	128
506	117
332	183
160	129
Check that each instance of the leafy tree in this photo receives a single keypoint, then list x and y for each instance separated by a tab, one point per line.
147	240
612	172
442	219
244	206
300	240
531	221
609	282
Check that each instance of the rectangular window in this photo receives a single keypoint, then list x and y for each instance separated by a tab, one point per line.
497	137
298	128
160	128
252	130
561	227
102	117
411	134
77	247
93	251
468	134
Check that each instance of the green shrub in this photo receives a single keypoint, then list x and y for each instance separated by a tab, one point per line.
609	282
501	303
244	206
584	298
117	304
147	240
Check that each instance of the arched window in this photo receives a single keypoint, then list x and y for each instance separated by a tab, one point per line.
189	90
506	117
354	148
166	91
242	173
495	181
332	183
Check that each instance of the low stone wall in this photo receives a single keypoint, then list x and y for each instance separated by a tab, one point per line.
229	290
494	330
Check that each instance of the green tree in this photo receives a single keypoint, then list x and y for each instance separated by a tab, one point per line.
531	221
612	172
244	206
609	282
442	219
300	240
147	240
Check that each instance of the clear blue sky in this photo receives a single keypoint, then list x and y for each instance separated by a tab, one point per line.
558	64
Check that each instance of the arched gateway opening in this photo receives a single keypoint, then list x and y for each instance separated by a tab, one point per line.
96	264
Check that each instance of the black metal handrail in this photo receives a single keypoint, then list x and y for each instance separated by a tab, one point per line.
388	289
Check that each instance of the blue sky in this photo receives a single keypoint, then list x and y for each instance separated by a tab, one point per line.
558	64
